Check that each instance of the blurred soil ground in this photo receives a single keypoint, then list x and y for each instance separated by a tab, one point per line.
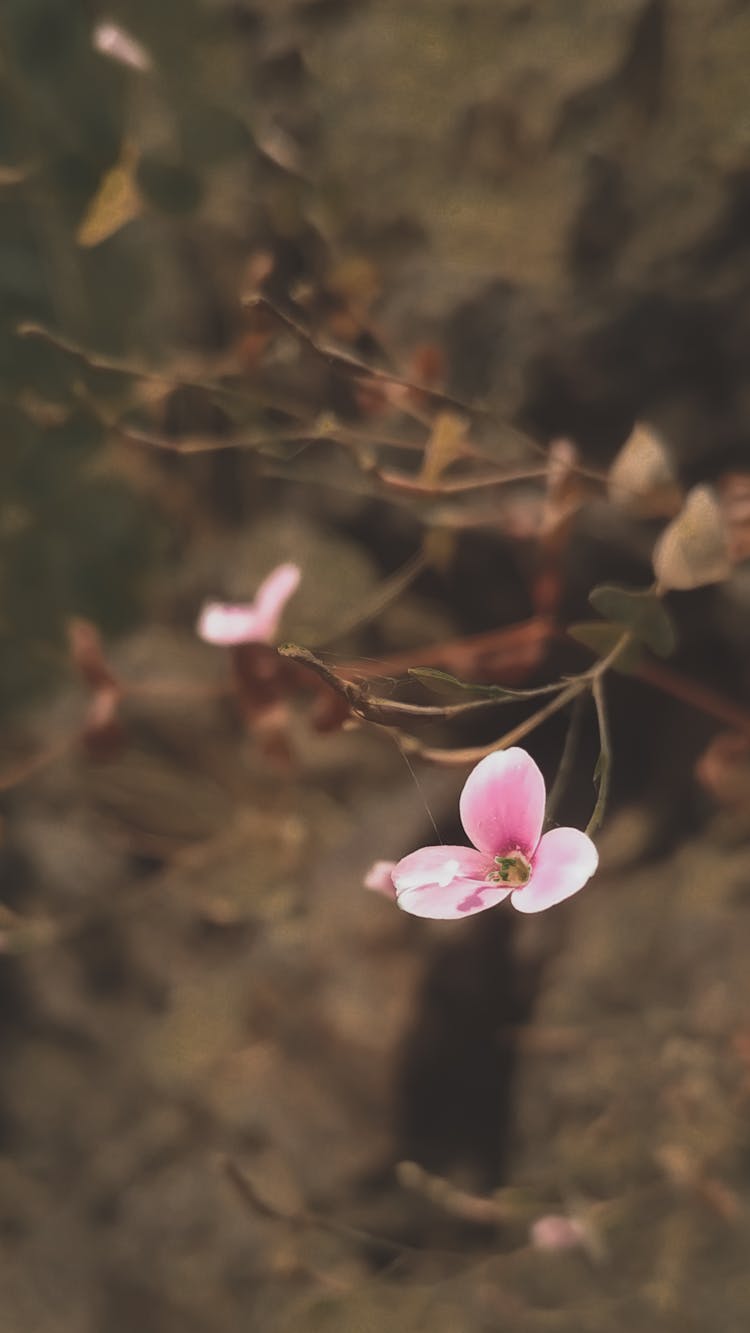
199	993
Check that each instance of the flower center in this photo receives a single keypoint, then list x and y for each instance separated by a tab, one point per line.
511	868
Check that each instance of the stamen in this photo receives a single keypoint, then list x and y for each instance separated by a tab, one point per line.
511	868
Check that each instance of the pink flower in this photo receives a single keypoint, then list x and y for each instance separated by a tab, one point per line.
379	878
502	811
251	622
556	1232
117	43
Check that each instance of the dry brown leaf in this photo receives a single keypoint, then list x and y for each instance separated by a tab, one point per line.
693	549
117	201
444	446
641	477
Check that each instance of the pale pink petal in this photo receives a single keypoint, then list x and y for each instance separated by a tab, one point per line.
226	623
273	595
251	622
565	859
120	45
446	883
502	803
379	878
556	1232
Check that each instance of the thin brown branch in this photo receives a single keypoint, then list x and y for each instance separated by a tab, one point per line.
372	708
29	767
511	651
416	487
208	444
472	754
567	758
384	594
305	1218
692	692
347	364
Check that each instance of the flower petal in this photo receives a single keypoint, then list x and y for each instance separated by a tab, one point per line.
502	803
112	40
565	859
273	595
379	878
445	882
556	1232
226	623
251	622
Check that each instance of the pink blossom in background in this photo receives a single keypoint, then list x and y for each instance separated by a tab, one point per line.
502	811
556	1232
228	623
379	878
113	41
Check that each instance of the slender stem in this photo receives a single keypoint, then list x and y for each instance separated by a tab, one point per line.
306	1217
514	648
345	363
564	768
27	768
600	668
384	594
385	712
472	754
342	361
605	756
498	693
414	486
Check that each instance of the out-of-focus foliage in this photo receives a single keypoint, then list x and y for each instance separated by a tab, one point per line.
74	537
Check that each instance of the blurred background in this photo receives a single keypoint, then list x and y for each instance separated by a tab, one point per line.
269	269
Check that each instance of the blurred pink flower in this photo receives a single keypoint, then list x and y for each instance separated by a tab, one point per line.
117	43
379	878
229	623
556	1232
502	811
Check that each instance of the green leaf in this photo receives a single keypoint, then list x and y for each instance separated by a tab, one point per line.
639	611
440	682
601	636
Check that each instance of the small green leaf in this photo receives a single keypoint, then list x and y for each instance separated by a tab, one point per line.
601	636
440	682
639	611
642	477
